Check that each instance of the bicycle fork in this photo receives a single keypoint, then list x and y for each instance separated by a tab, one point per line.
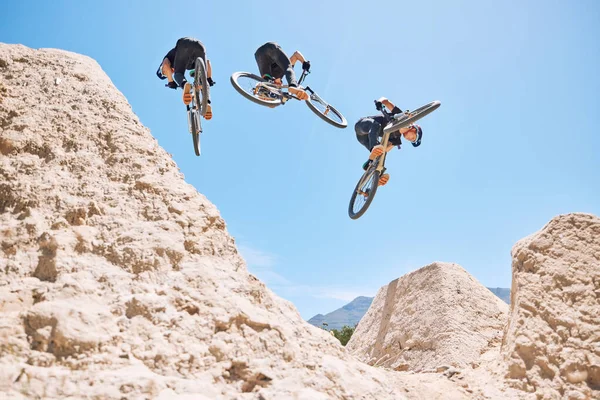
384	143
193	114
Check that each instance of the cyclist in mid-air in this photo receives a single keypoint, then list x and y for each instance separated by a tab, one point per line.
181	58
370	129
274	64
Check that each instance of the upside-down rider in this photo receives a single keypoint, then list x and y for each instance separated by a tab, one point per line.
181	58
370	129
274	64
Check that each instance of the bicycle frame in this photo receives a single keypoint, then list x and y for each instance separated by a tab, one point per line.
285	96
387	131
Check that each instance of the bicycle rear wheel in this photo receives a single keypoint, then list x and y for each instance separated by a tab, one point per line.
364	193
201	86
195	128
326	111
196	139
405	120
247	85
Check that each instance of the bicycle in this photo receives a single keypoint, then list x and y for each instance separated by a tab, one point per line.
365	190
270	94
197	108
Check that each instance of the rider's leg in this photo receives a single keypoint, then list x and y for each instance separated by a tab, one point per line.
200	52
179	78
377	149
285	65
180	64
376	152
374	133
362	128
263	60
188	50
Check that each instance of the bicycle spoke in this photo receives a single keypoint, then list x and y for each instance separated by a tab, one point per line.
257	89
362	194
324	108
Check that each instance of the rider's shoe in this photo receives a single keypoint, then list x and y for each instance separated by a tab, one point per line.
376	152
367	164
299	93
383	179
208	115
187	96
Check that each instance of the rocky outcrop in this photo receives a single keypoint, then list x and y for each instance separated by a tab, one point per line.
351	313
436	316
552	343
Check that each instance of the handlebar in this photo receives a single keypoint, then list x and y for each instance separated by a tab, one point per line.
381	108
303	76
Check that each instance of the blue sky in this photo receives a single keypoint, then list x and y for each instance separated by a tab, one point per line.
515	142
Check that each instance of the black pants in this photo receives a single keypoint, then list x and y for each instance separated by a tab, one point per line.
186	52
273	61
368	131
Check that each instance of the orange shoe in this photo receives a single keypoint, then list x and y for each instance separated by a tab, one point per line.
208	114
187	96
383	179
299	93
376	152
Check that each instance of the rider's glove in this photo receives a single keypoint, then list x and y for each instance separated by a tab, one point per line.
172	85
211	82
306	66
378	105
396	110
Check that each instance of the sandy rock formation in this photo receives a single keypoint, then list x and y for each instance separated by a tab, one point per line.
552	343
436	316
119	280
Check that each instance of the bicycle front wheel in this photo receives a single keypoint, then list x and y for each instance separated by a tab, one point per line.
326	111
201	86
364	193
196	140
248	85
404	120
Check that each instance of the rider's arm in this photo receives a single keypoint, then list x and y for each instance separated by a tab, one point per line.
166	69
389	105
297	56
208	68
209	73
